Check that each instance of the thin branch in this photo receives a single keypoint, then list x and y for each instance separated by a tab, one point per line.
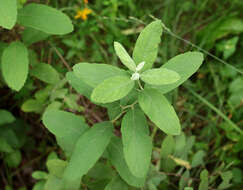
61	57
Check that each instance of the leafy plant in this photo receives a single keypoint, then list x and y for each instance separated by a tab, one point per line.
39	22
132	93
12	138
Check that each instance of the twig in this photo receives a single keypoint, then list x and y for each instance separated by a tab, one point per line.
61	57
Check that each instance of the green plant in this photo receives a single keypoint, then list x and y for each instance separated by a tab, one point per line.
12	138
39	22
132	94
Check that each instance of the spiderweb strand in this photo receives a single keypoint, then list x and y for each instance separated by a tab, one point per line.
168	31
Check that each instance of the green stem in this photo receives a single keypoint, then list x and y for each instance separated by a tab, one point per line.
140	85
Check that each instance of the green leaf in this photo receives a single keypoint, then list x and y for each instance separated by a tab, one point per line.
101	171
40	185
204	180
15	65
10	136
113	110
45	19
4	146
79	85
198	158
39	175
116	156
3	45
45	73
117	183
94	74
66	126
155	178
56	167
185	65
56	105
220	28
88	150
71	100
13	159
6	117
159	110
137	145
31	36
180	143
58	94
8	13
167	147
112	89
124	56
160	76
226	177
188	188
184	180
228	46
32	105
146	48
53	183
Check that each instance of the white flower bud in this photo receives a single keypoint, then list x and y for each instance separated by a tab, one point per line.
135	76
140	66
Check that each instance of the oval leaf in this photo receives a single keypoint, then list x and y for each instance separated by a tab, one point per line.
167	147
62	123
56	167
32	105
185	65
159	110
137	145
31	36
116	156
88	150
204	180
15	65
79	85
146	47
53	183
45	19
112	89
160	76
8	13
45	73
124	56
66	126
94	74
6	117
117	183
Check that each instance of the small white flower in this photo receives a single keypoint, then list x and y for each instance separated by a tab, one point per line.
140	66
135	76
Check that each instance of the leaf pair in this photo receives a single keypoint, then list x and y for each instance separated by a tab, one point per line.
146	47
84	146
39	17
160	76
15	67
40	21
109	83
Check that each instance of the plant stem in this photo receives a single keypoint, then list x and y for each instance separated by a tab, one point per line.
140	85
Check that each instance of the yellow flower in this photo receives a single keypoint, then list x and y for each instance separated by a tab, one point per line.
83	14
86	1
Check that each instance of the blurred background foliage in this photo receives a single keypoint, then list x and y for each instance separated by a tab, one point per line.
209	105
